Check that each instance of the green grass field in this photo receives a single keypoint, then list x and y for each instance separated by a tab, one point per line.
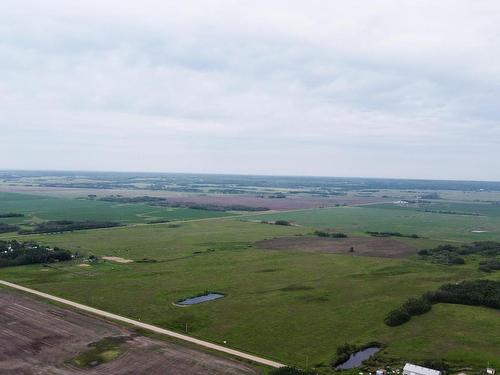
39	208
281	305
406	220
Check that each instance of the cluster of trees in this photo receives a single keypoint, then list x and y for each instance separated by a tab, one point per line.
87	185
122	199
448	212
159	201
490	265
277	196
412	307
391	234
212	207
10	214
321	233
6	228
68	225
227	191
158	221
451	254
14	253
282	222
474	292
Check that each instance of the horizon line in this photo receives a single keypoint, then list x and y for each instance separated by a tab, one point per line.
243	174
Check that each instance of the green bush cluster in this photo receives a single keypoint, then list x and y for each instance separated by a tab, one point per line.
451	254
13	253
282	222
6	228
68	226
489	265
392	234
321	233
475	292
10	214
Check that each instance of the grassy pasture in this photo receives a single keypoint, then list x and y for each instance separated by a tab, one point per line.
406	220
39	208
453	208
284	305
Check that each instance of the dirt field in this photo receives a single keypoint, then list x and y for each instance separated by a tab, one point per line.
37	338
364	246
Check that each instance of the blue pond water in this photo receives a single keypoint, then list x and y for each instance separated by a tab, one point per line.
357	358
200	299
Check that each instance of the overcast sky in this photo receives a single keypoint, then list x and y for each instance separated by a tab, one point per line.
335	88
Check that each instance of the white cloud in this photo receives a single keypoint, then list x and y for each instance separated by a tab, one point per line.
256	87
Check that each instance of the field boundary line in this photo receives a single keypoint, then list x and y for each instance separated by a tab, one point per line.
149	327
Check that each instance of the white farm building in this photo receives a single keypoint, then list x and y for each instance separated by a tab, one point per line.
410	369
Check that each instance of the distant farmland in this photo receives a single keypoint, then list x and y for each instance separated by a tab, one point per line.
50	208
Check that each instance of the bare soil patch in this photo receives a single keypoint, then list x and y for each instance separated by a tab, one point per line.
38	338
364	246
118	259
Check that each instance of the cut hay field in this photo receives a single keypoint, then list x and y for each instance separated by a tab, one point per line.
287	305
38	208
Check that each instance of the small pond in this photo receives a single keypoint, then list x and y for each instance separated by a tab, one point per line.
356	359
204	298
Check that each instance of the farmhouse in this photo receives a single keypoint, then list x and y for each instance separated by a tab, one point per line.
410	369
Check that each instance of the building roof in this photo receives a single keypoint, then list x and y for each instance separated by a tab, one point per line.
420	370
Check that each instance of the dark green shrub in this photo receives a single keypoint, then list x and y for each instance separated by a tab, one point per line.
282	222
397	317
417	306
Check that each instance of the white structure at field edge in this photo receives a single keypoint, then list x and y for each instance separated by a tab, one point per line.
410	369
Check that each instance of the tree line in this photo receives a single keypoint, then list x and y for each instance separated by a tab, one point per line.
474	292
452	254
67	226
14	253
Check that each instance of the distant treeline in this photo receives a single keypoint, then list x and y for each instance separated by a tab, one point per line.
158	221
164	202
452	254
87	185
392	234
10	214
212	207
475	293
68	225
13	253
447	212
108	180
285	223
321	233
6	228
122	199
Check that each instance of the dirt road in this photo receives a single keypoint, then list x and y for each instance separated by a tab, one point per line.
149	327
38	338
